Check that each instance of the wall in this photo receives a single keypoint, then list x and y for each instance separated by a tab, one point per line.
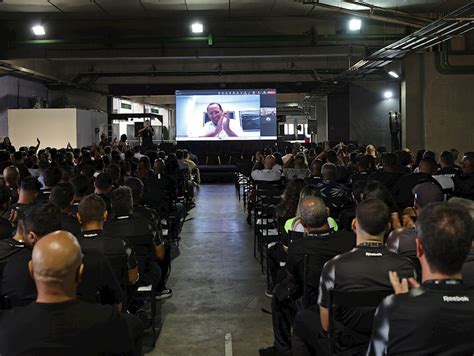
438	108
17	93
54	127
80	99
338	127
369	111
86	124
449	109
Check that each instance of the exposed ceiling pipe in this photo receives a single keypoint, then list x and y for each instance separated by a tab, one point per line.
313	72
55	6
193	58
364	15
387	10
99	6
443	66
216	40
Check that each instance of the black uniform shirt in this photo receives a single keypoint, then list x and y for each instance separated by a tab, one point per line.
97	277
403	242
435	319
364	268
108	246
468	269
69	328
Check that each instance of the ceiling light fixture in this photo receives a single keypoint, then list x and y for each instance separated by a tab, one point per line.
388	94
197	27
355	24
393	74
38	30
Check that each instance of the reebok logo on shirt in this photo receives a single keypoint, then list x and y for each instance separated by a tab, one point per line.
374	254
456	298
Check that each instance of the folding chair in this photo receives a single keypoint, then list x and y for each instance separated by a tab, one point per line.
351	300
268	195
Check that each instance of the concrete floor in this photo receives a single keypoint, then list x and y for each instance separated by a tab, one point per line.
217	284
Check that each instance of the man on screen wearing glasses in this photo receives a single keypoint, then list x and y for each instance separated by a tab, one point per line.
219	124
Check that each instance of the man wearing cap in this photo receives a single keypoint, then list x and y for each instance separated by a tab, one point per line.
402	241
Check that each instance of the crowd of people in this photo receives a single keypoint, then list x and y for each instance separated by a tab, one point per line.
82	231
360	219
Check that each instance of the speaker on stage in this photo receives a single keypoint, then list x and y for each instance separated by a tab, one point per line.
138	127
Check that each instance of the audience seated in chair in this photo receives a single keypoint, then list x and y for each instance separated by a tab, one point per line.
322	243
98	279
266	171
433	318
59	323
61	196
92	214
364	268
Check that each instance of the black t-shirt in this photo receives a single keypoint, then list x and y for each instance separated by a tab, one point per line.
68	328
108	246
44	194
321	248
147	137
6	229
389	179
364	268
152	216
403	242
403	189
69	223
357	177
435	319
139	231
464	186
8	248
97	278
468	269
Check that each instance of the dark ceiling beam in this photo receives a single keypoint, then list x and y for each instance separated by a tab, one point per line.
387	10
310	37
363	14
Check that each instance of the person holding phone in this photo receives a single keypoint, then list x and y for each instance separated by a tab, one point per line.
146	133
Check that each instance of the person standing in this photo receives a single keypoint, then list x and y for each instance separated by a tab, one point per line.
146	133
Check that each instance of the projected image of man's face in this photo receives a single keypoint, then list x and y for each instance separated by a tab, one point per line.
215	113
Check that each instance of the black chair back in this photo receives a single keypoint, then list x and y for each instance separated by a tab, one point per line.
5	302
369	299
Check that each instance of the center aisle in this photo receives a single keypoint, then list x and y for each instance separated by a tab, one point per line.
217	284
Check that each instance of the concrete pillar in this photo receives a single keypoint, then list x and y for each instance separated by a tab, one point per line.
412	102
321	119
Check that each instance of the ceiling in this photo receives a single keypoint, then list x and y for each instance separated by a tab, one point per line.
145	47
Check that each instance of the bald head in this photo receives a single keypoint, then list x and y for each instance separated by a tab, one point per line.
269	162
313	212
56	260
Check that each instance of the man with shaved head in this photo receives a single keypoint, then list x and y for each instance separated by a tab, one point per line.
73	327
320	243
39	220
